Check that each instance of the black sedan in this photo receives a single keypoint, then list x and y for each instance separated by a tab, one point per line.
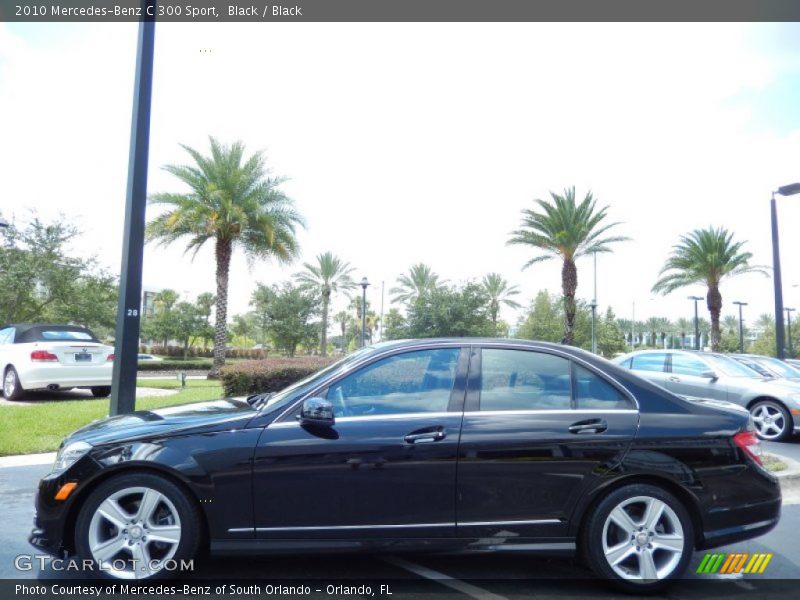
433	445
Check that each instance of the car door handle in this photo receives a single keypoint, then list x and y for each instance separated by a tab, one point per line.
590	426
675	379
424	437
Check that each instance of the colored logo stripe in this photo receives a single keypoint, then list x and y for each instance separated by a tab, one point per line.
725	563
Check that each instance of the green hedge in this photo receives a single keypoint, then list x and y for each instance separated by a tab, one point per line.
197	364
270	375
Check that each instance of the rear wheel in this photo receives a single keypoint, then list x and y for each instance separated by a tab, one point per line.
639	538
773	422
135	526
12	388
101	391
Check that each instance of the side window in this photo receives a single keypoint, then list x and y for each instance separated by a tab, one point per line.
404	383
649	362
683	364
6	335
524	380
591	391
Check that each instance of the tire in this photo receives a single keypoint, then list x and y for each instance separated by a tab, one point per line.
102	391
12	388
648	553
110	531
773	422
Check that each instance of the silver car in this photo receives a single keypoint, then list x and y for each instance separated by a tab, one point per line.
769	366
773	403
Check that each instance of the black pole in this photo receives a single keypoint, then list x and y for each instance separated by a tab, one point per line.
123	388
696	328
776	279
789	331
363	314
741	331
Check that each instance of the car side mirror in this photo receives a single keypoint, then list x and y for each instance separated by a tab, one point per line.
316	411
709	375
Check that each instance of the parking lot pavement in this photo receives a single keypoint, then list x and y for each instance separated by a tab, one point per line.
790	448
484	577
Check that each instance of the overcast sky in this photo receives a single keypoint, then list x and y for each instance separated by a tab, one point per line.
423	142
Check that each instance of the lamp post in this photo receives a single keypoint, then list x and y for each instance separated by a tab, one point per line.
741	327
786	190
364	284
593	305
696	322
789	312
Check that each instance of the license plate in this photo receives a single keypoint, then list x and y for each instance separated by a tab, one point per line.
83	357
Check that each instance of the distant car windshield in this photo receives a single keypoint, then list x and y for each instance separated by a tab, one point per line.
66	336
730	367
780	367
309	381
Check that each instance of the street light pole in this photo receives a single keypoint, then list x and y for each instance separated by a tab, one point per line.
364	284
129	304
594	305
789	312
696	322
741	326
786	190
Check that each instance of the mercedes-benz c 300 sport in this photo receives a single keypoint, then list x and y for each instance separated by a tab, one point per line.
433	445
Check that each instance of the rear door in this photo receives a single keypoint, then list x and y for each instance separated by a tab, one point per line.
539	430
652	366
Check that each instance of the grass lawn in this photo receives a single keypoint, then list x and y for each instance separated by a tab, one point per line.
40	427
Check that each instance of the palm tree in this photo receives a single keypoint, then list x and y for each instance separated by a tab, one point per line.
730	323
328	276
706	256
499	293
233	203
420	279
342	318
682	326
565	229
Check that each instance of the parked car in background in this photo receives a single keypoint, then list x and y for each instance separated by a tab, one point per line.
36	356
794	362
769	366
453	444
773	403
148	357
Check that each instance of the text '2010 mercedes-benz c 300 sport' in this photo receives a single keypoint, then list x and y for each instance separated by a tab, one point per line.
431	445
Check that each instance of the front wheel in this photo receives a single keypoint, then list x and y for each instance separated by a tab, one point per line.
138	526
639	538
12	388
773	422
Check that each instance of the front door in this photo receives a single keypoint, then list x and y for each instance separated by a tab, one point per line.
686	379
385	469
538	431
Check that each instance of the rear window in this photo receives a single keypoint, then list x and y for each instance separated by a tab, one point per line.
66	336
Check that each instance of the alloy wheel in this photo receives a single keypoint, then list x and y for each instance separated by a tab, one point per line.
643	539
769	420
133	532
9	383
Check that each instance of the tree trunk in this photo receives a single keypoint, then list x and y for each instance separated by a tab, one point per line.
326	300
569	283
223	255
495	307
714	303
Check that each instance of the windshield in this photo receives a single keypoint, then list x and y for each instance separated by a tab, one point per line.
309	382
779	367
730	367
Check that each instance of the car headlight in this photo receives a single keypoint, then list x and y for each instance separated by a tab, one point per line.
68	455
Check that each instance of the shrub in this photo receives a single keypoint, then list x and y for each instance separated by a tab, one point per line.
270	375
196	352
197	364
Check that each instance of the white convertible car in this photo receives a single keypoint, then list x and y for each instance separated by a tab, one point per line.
53	357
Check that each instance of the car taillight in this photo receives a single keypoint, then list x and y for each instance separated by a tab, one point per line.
43	356
110	357
748	441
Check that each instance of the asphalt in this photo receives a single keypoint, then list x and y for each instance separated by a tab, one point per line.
486	577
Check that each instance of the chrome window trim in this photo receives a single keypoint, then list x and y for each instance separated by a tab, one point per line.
551	411
435	415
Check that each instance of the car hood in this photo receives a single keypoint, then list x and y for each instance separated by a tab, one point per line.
228	413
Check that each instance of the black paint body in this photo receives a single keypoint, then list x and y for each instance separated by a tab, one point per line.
490	481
